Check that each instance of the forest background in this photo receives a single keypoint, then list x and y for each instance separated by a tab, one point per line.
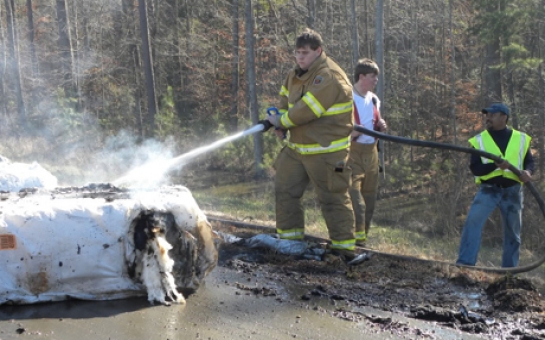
90	88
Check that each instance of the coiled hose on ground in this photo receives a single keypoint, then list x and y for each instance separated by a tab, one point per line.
436	145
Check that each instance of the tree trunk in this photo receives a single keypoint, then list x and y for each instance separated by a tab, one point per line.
32	47
251	78
149	127
354	29
311	18
65	49
379	50
412	124
541	91
492	76
235	71
129	11
511	93
379	46
33	58
185	62
174	77
76	54
3	67
366	21
13	61
452	74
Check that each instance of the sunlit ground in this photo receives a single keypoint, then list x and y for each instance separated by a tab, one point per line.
406	233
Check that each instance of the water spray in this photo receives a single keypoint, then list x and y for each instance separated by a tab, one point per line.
161	168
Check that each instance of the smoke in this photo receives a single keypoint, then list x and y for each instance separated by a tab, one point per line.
124	161
68	133
77	157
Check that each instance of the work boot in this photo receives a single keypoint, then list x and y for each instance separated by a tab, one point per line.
361	244
361	241
343	254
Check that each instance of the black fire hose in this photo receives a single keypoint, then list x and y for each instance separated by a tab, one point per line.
443	146
426	144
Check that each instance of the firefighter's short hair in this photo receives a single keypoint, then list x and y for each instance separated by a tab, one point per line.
309	37
365	66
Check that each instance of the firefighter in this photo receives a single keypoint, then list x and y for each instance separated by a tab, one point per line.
315	110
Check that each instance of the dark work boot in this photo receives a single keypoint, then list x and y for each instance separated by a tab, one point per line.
345	255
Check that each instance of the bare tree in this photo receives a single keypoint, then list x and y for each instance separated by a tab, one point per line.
379	46
368	40
65	49
492	75
3	67
148	69
452	72
311	17
379	50
32	47
541	91
235	71
251	78
13	60
355	37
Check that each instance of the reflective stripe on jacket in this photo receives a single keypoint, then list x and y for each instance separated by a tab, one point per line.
516	150
316	108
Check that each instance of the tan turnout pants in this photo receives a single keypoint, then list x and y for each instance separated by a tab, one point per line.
330	176
363	192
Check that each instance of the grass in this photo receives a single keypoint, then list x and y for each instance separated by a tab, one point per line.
412	243
403	225
401	228
255	201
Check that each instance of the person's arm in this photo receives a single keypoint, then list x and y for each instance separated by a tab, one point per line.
478	168
283	105
528	166
380	124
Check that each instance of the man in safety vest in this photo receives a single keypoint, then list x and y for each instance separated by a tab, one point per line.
315	109
363	151
499	187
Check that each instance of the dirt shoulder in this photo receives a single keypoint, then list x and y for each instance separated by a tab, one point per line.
467	301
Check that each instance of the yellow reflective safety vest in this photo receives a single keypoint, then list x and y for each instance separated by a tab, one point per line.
316	108
516	150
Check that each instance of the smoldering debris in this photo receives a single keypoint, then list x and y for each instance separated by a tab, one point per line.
112	244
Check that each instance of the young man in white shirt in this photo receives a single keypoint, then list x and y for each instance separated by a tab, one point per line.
363	150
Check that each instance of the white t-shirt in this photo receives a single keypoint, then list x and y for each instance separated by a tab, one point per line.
365	112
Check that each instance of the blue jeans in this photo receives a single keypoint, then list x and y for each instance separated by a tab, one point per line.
509	201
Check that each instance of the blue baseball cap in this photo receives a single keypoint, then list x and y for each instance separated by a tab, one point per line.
496	107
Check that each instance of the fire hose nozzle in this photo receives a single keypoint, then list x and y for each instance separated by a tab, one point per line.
274	111
266	124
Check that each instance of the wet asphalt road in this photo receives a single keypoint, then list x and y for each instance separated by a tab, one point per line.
219	310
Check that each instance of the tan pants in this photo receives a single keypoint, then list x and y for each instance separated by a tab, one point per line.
330	176
363	192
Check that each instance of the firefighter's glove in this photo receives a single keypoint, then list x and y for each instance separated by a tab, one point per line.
266	124
275	120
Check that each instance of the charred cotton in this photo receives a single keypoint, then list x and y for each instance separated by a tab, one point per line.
99	242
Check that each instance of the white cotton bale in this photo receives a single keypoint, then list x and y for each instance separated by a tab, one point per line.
16	176
54	247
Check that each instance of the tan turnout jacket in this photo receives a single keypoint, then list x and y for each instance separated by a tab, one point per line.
316	108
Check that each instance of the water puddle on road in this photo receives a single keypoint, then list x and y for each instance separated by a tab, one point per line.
372	317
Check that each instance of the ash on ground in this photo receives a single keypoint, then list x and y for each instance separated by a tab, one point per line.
493	306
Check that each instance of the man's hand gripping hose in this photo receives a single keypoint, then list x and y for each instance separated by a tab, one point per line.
267	124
